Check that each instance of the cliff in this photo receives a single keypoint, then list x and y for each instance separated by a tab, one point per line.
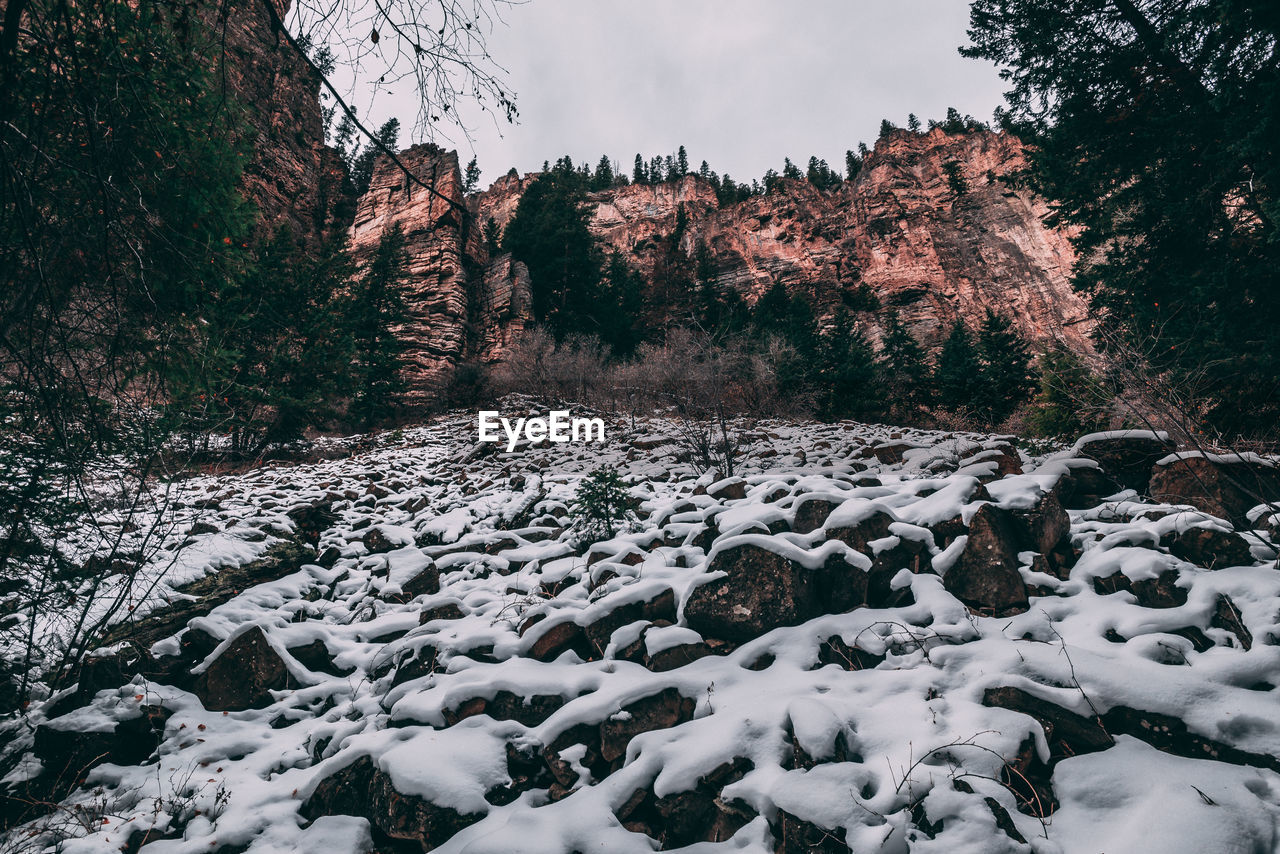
900	228
293	177
462	305
933	240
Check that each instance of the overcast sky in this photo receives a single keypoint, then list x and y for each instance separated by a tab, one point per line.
740	83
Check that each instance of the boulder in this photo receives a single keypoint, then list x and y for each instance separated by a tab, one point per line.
362	789
1224	486
1209	547
1085	485
663	710
1126	455
243	676
811	511
729	489
985	576
763	590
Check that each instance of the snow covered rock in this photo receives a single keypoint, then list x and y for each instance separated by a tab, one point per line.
243	675
1126	455
1227	486
986	576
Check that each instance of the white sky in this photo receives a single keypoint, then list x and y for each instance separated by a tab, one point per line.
741	83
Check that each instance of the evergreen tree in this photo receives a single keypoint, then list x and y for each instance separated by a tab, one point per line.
378	308
903	367
657	172
886	127
1071	400
852	165
471	178
1007	377
682	162
639	174
549	234
492	237
847	375
361	165
1156	129
603	178
622	303
957	378
913	123
704	171
790	170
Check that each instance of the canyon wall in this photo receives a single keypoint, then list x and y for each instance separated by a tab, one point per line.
293	177
934	241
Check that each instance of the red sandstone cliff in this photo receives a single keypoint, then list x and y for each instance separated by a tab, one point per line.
931	250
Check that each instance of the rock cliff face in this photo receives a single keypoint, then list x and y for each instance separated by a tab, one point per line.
462	306
933	240
293	177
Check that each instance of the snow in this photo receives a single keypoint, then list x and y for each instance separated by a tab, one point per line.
886	740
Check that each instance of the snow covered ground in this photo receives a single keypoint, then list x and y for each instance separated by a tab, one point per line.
661	689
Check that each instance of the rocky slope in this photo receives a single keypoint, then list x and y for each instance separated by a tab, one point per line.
869	640
930	247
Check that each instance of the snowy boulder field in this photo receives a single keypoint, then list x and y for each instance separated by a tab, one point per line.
866	639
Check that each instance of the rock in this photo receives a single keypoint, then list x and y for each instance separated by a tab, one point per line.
663	710
810	512
312	520
447	610
67	754
1160	592
674	657
1085	485
243	675
1067	733
424	583
1209	547
661	606
1127	456
362	789
551	641
986	576
315	656
728	489
1226	616
764	590
684	818
1223	486
377	542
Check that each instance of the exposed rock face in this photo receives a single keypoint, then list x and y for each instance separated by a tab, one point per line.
292	176
460	307
901	229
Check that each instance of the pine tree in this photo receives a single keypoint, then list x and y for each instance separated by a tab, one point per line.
903	367
361	165
378	308
704	171
622	303
682	162
847	374
852	165
957	378
549	232
603	177
789	169
913	123
1160	143
639	174
1007	378
492	237
886	127
471	178
1071	400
